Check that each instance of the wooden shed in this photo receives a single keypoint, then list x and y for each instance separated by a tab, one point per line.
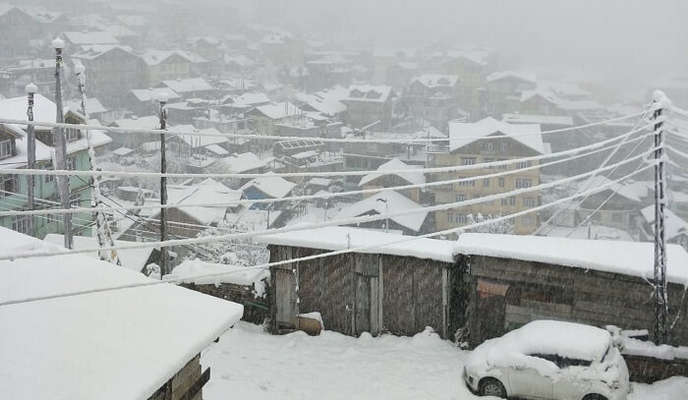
505	281
400	288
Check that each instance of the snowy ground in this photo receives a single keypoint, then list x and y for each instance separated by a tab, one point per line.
248	363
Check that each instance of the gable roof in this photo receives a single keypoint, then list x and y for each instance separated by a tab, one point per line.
95	37
99	335
240	163
188	85
415	178
153	94
272	185
630	192
279	110
464	133
397	203
521	76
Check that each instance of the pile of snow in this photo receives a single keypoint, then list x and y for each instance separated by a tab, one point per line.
339	238
117	344
636	347
190	270
601	255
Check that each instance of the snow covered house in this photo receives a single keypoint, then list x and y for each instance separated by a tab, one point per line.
144	102
434	98
13	154
184	220
134	140
485	141
675	228
267	187
244	163
400	288
417	222
367	104
380	179
190	87
617	206
505	88
509	280
133	343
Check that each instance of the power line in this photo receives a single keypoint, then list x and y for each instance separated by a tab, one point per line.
347	221
454	168
281	138
315	256
76	210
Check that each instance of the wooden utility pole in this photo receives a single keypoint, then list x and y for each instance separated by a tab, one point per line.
660	287
61	151
30	89
163	188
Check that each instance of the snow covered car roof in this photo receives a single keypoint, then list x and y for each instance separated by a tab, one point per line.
565	339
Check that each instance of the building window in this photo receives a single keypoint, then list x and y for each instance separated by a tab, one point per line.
487	182
71	163
488	147
523	164
461	219
8	185
72	134
523	183
5	148
529	202
20	223
469	161
504	147
459	197
501	182
450	217
489	160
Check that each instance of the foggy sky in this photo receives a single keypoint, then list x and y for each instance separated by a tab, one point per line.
616	41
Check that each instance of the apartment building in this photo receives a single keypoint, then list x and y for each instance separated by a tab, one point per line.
480	142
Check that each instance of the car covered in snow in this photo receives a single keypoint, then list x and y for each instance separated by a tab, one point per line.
549	360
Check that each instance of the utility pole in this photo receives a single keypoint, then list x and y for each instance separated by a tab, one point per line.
61	152
30	89
162	99
102	231
660	288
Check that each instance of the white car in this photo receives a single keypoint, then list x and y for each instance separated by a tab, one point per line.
549	360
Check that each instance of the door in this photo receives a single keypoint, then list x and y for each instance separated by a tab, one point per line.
533	379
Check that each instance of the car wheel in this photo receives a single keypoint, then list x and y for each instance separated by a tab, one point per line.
492	387
594	396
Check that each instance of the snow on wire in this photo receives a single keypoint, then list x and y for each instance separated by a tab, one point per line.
77	210
339	222
316	256
281	138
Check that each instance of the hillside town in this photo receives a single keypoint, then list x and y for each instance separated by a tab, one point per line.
234	206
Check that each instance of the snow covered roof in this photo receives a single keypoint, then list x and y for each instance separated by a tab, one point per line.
628	191
95	37
415	178
207	191
93	105
325	182
327	101
464	133
277	111
216	149
134	259
600	255
272	185
148	122
339	238
197	141
155	57
241	275
368	93
242	162
188	85
93	51
560	120
154	94
436	80
673	224
16	108
539	92
397	203
122	151
123	344
522	76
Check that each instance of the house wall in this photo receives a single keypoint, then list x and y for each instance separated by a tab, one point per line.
189	377
533	290
360	292
455	217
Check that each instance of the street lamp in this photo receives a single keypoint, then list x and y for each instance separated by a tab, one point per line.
30	89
